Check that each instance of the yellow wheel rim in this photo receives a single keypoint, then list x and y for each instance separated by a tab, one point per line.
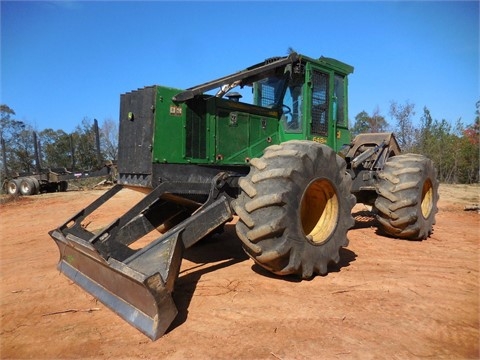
319	211
427	198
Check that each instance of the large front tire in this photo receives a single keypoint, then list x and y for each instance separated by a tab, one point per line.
295	208
407	197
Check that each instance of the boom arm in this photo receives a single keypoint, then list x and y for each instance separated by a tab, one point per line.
242	77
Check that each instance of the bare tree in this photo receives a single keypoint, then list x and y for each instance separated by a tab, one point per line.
404	129
109	139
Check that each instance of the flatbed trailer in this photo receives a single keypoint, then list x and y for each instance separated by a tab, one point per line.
43	180
51	180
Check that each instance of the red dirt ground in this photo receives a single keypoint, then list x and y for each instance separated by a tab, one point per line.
386	299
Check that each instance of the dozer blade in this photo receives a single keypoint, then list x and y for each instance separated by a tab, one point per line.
136	284
143	300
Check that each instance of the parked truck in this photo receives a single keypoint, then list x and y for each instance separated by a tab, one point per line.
283	163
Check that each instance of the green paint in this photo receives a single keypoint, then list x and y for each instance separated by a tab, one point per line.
214	130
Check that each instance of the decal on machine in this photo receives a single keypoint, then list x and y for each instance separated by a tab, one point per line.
175	110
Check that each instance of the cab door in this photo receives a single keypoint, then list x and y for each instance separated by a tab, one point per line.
319	108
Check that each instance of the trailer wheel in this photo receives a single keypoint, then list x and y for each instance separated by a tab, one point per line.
295	208
407	197
36	185
13	187
27	187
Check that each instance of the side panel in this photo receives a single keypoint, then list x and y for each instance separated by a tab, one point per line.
135	137
232	128
170	128
242	132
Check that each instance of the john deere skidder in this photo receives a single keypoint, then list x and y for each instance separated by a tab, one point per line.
278	156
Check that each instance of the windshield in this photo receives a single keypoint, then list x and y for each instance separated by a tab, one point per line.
292	108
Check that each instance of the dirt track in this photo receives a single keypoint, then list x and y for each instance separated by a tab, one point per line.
386	299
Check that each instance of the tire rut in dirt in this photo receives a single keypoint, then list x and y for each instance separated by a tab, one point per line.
295	208
407	197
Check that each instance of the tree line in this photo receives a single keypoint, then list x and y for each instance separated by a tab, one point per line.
55	148
454	149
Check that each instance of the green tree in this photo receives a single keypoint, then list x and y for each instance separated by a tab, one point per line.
364	123
472	132
56	148
16	139
454	150
441	152
85	151
23	150
8	128
78	149
424	135
469	151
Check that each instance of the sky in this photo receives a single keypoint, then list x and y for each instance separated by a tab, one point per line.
63	61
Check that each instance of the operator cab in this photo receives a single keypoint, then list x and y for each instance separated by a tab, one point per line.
309	96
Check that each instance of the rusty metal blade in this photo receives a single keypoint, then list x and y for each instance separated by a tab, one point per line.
135	284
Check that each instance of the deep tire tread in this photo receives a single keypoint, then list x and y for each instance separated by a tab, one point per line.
268	206
399	200
247	187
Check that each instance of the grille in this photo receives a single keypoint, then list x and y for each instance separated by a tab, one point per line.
267	94
196	130
320	103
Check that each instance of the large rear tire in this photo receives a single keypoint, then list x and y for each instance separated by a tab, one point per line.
295	208
407	197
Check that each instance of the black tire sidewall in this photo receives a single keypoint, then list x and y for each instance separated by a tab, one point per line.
27	187
16	187
313	162
417	227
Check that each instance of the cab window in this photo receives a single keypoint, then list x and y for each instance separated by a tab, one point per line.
293	105
319	103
